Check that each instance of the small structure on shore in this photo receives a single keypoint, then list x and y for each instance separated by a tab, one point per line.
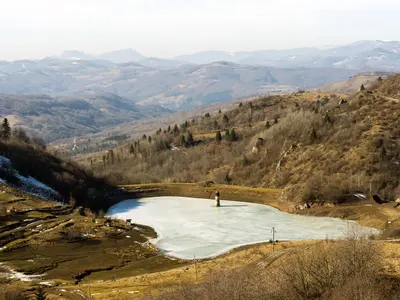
217	199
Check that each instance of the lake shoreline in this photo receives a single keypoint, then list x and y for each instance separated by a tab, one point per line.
367	213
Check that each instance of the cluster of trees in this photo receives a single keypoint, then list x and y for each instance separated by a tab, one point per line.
229	135
19	134
304	136
187	141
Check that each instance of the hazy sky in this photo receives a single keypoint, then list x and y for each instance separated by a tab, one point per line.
165	28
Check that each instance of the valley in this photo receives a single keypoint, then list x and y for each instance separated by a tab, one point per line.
313	155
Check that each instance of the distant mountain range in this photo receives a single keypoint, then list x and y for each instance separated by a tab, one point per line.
86	93
176	89
362	54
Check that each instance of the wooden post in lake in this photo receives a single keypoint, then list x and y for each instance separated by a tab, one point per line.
217	199
273	239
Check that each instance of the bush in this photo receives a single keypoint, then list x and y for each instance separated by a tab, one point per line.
346	269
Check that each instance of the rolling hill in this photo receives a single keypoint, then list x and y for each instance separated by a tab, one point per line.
70	116
352	84
317	147
180	88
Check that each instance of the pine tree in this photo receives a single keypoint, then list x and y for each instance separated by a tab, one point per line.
40	294
267	125
225	119
144	137
233	136
149	139
5	130
276	121
240	104
190	139
216	124
169	129
219	111
132	149
183	141
176	130
362	88
227	134
218	136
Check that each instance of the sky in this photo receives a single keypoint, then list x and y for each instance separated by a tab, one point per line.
167	28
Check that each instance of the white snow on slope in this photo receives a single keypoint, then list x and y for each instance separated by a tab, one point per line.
4	162
29	184
18	275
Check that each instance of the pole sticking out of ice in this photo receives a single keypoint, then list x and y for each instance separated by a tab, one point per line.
217	199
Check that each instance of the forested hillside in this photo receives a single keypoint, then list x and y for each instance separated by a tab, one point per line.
25	164
318	147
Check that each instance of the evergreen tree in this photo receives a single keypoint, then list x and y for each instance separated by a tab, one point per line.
40	294
362	88
190	139
219	111
233	136
218	136
216	124
184	126
276	121
169	129
149	139
267	125
183	141
227	134
132	149
207	115
144	137
176	130
5	130
240	104
225	119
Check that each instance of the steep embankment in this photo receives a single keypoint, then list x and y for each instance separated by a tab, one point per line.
38	172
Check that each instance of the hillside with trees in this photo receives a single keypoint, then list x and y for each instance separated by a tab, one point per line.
24	161
317	147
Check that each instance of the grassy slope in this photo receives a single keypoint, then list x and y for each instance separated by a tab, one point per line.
51	239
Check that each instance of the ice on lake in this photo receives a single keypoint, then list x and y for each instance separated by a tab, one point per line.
189	227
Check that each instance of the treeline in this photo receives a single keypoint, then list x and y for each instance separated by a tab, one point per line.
18	134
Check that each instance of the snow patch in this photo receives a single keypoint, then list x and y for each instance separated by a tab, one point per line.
12	274
28	184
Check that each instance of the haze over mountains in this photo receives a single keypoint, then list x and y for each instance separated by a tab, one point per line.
361	54
79	93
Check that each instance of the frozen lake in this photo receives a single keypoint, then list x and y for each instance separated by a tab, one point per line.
189	227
